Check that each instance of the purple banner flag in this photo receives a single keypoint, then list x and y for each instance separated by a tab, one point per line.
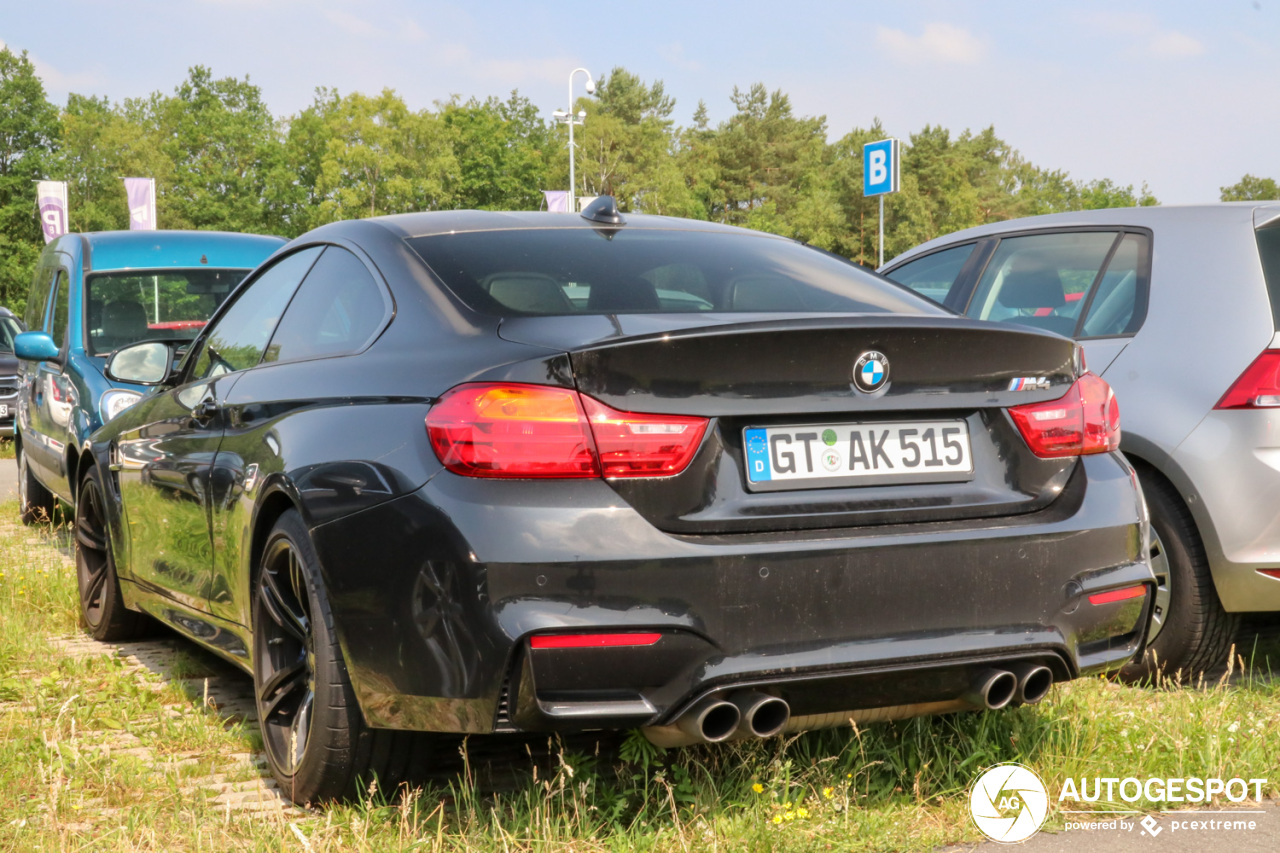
557	200
142	203
51	207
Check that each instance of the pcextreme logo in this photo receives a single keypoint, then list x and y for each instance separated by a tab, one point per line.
1009	803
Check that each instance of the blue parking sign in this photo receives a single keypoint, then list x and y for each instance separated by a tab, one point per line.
880	167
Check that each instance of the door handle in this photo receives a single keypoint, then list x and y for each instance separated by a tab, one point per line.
204	410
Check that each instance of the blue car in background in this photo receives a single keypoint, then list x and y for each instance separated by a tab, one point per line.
91	295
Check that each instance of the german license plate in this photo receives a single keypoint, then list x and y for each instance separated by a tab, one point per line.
857	454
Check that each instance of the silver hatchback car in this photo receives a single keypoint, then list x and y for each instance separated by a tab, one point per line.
1178	308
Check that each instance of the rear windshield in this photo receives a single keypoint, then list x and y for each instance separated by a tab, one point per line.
582	271
1269	251
122	308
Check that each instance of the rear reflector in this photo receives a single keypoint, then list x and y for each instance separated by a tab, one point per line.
539	431
592	641
1271	573
1118	594
1084	420
1258	387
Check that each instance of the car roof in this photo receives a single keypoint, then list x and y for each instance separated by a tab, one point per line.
1222	214
117	250
450	221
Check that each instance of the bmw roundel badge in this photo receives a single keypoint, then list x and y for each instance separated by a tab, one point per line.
871	372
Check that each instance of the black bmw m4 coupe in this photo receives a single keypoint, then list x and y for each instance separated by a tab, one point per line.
478	472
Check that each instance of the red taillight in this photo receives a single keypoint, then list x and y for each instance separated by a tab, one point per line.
522	431
1258	387
633	444
1112	596
592	641
510	431
1084	420
1271	573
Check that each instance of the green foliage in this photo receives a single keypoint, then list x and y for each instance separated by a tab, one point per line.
28	137
222	161
1252	188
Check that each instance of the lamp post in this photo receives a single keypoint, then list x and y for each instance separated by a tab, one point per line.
568	117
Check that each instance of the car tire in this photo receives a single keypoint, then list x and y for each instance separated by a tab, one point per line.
102	610
36	504
317	744
1194	632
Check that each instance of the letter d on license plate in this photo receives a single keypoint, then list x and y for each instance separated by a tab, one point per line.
821	455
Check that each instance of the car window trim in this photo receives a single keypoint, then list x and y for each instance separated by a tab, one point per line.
197	344
388	307
1089	294
1141	297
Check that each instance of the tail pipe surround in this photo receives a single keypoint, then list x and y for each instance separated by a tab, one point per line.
711	720
992	689
761	715
1034	682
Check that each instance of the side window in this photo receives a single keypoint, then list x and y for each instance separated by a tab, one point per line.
61	308
1113	306
1041	280
38	300
336	311
933	275
239	337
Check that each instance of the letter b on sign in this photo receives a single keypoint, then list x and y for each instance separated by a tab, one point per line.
880	167
878	170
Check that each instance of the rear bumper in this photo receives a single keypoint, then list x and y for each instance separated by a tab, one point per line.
1232	458
435	596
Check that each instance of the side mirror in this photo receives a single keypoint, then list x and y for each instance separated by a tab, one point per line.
146	363
36	346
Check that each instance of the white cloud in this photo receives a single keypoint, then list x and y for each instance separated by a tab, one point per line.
938	42
1145	36
1174	45
674	54
352	24
58	81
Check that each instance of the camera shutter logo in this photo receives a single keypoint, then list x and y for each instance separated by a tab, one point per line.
1009	803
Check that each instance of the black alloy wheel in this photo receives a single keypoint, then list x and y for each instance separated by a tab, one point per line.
317	744
35	503
102	609
1190	634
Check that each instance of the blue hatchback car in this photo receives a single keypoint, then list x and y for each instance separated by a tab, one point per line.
93	294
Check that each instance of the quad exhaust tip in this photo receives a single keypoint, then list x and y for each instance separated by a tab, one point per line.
762	715
992	689
711	720
1034	682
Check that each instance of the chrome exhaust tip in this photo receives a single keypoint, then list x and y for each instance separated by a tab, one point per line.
992	689
711	720
761	715
1034	682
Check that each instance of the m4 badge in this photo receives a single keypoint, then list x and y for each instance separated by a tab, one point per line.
1029	383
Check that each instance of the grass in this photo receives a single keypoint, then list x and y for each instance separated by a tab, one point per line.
899	786
6	448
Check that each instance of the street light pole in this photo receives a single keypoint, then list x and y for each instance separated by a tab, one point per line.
571	119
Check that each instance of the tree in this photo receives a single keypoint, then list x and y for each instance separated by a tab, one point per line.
28	138
380	157
1252	188
101	145
222	143
764	155
502	150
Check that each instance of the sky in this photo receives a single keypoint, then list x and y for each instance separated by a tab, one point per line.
1181	95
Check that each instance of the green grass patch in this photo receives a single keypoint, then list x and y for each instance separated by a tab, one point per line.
6	448
895	786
